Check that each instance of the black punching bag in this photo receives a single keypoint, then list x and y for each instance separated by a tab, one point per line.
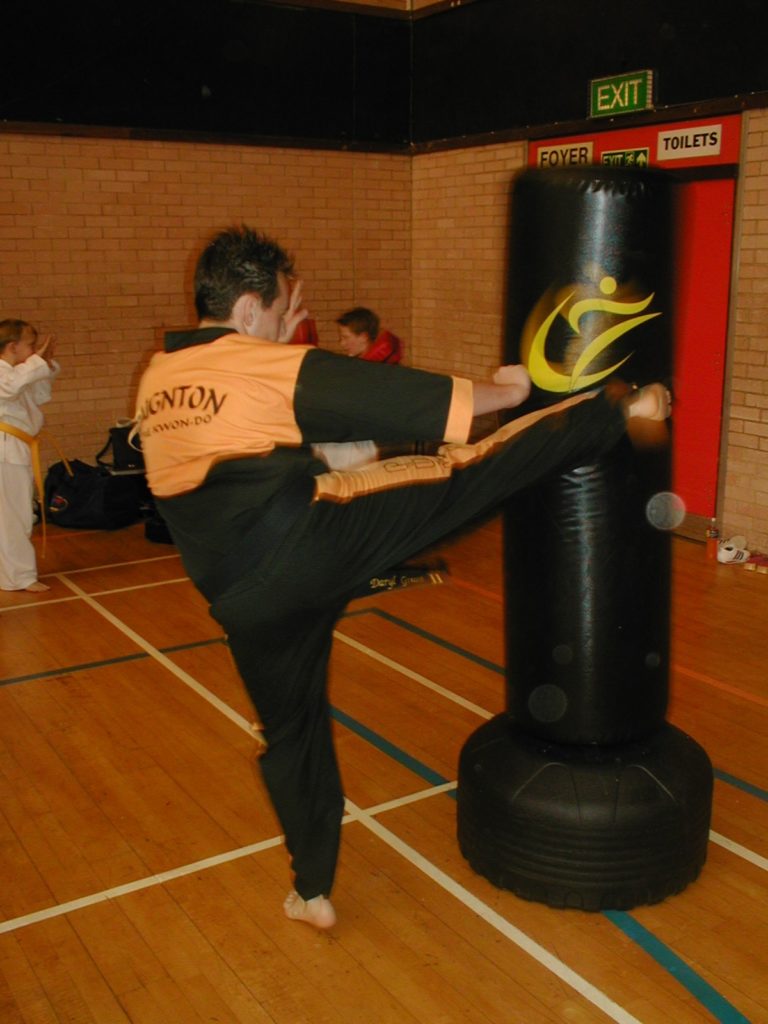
581	794
587	619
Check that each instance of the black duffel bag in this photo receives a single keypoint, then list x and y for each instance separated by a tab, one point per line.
124	445
90	497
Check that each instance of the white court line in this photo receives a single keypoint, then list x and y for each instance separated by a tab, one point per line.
728	844
37	604
199	865
489	915
114	565
739	850
99	593
733	847
495	920
411	798
435	874
136	886
158	656
139	586
422	680
96	593
524	942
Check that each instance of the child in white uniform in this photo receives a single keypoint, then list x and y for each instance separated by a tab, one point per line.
26	372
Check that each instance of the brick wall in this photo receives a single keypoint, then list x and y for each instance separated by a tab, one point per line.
460	228
98	239
745	504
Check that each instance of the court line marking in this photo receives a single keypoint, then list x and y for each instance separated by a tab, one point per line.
455	698
731	780
446	645
161	658
65	670
36	604
547	960
697	986
115	565
161	877
147	882
700	677
188	680
411	798
508	929
491	917
752	698
745	787
674	666
705	993
139	586
741	851
362	648
95	593
700	989
456	581
85	666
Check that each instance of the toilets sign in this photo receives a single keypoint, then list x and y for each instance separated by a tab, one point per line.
621	94
686	143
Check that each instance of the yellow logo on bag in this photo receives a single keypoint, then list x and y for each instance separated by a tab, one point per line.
588	340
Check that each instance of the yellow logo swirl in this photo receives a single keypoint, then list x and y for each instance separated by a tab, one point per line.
549	376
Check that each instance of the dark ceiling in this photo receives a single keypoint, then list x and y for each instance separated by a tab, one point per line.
347	76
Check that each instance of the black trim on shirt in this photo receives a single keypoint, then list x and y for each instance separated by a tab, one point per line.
175	340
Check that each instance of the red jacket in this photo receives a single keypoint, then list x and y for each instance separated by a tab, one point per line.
386	349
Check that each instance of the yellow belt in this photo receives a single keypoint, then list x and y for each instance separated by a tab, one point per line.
33	440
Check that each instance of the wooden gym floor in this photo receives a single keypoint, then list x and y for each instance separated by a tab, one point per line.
141	871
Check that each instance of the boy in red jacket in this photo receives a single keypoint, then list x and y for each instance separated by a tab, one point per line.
360	336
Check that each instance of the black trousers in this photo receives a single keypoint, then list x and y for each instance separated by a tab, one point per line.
279	617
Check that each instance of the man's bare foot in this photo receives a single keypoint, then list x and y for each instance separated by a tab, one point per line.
37	587
318	911
653	402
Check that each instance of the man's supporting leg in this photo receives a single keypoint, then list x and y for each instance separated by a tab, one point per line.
284	667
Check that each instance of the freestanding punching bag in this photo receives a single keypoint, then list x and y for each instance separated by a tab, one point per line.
581	794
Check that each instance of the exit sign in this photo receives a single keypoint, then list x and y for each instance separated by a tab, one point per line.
626	157
621	94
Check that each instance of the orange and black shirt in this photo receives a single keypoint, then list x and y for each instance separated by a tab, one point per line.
226	422
214	396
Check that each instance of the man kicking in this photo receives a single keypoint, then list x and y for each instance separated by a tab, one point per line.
277	543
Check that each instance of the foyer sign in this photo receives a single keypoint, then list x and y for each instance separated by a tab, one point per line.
566	155
622	94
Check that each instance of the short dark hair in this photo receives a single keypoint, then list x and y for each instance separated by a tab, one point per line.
12	330
236	262
360	321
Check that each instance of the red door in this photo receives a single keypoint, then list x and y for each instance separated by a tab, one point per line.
706	153
701	323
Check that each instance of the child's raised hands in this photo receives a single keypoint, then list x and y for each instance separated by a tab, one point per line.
46	346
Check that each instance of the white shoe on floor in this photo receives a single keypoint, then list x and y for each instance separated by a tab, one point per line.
732	550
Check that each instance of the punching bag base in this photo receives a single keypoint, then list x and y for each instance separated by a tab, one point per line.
593	828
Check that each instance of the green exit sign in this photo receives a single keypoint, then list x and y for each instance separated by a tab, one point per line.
621	94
